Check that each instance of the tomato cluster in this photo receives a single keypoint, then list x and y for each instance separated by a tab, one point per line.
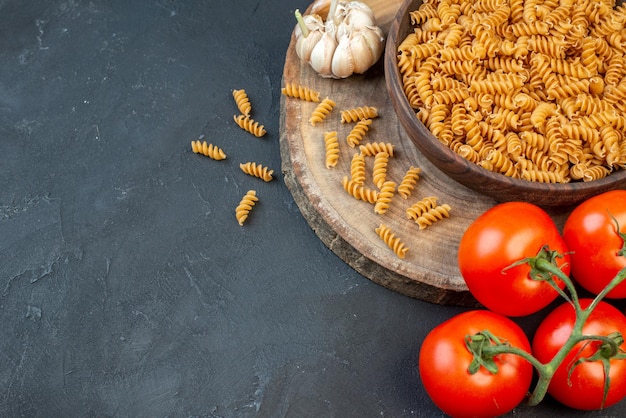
516	262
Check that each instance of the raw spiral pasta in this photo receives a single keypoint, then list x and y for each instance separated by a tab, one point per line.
358	113
331	144
379	172
528	89
358	191
408	182
374	148
357	169
301	92
242	101
385	194
208	150
420	207
542	176
250	125
433	215
358	132
321	111
257	170
393	242
246	204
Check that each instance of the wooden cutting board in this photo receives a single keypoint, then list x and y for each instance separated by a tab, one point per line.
347	226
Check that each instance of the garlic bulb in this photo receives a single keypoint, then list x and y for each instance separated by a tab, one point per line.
348	42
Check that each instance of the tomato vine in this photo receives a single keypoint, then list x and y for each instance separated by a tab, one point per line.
544	267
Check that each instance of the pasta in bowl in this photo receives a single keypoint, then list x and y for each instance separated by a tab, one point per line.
515	99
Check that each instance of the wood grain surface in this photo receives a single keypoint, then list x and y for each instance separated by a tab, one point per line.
347	226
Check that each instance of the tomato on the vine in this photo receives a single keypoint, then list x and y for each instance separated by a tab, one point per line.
444	360
591	234
500	237
583	386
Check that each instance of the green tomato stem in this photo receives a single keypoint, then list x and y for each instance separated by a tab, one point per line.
548	266
541	264
303	27
547	370
619	278
495	350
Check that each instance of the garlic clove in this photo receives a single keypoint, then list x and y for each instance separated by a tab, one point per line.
375	40
322	54
313	22
305	45
359	15
343	59
314	27
360	49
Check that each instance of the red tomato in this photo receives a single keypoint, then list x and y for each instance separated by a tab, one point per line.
501	236
584	389
590	234
444	360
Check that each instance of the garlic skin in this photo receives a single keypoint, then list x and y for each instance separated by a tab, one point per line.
348	42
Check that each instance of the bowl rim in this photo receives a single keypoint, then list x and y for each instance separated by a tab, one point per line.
462	165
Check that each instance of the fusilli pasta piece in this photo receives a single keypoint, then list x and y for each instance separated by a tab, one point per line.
301	92
420	207
358	132
358	191
331	144
379	172
358	113
246	204
250	125
385	194
433	215
393	242
374	148
408	182
321	111
208	150
257	170
242	101
357	169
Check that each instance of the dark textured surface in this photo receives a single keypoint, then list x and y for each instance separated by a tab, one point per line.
127	288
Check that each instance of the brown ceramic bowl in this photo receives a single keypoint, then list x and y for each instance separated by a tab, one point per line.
495	185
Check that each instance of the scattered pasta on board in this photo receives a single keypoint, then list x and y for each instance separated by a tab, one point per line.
424	212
